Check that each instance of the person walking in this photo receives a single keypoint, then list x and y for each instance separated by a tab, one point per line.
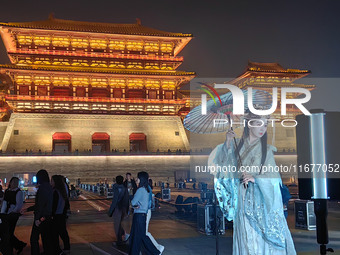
42	216
59	213
11	206
131	185
119	209
140	203
148	218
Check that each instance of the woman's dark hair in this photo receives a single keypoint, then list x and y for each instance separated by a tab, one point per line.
13	179
143	180
59	185
263	145
42	176
119	179
150	183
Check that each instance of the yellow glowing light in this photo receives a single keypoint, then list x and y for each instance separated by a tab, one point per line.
42	40
98	44
79	43
99	82
60	42
117	64
135	83
134	46
25	39
152	66
166	47
151	47
78	81
117	83
42	80
152	84
117	45
134	65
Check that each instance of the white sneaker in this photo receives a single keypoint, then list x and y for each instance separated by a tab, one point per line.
161	249
126	237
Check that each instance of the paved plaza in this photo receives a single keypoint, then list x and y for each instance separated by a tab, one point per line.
91	230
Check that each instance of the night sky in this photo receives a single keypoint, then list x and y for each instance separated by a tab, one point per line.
297	34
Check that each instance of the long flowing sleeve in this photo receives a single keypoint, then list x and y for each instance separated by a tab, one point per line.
222	164
263	204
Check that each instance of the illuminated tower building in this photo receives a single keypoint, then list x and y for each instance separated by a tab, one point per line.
264	76
75	85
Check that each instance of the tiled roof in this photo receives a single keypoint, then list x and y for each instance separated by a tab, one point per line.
94	27
98	70
272	68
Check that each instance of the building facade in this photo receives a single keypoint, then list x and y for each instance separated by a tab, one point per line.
75	85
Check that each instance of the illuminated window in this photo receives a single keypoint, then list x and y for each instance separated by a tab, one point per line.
79	81
42	80
61	106
152	84
25	60
24	105
40	105
118	107
117	45
151	47
42	40
134	65
166	47
167	66
60	42
135	83
98	63
117	83
42	61
102	107
23	79
135	108
97	82
61	81
154	66
153	108
61	61
79	43
168	85
25	39
117	64
98	44
134	46
80	62
169	109
80	107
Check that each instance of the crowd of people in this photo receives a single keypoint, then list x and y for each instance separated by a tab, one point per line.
50	214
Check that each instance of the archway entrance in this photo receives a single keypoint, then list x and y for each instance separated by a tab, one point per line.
61	142
137	142
100	142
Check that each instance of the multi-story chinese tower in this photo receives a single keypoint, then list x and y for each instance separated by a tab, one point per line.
82	85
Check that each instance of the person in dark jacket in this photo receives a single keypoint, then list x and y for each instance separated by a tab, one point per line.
11	206
42	216
59	213
119	209
131	185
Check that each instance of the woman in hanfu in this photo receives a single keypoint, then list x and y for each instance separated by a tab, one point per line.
250	196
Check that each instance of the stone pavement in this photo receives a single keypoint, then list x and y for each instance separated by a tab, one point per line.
91	231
